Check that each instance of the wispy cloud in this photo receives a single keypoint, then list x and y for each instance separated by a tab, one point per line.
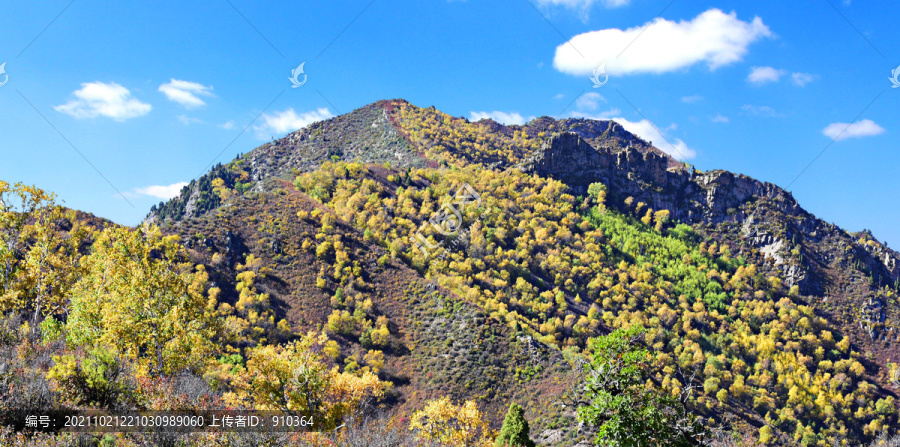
583	6
101	99
647	131
605	115
188	120
691	99
719	118
589	101
286	121
507	118
764	75
185	92
713	37
227	125
164	192
767	75
801	79
760	111
859	129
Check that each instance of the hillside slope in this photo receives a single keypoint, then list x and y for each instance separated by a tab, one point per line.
793	318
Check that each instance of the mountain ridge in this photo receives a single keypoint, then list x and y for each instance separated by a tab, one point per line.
847	279
596	150
611	155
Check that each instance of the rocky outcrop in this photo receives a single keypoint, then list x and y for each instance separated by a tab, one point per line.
800	245
710	197
365	134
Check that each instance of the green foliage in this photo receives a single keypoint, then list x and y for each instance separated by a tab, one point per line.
514	432
683	232
206	193
667	255
625	411
235	360
51	329
100	378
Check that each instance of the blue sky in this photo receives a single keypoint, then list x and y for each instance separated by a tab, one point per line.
139	96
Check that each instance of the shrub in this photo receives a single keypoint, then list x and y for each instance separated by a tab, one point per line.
98	379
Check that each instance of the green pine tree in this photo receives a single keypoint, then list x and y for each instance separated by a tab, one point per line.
514	432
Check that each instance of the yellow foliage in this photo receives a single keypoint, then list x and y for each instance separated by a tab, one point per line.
142	297
295	378
452	425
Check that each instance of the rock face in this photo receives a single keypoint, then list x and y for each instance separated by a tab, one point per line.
648	176
366	135
767	217
567	157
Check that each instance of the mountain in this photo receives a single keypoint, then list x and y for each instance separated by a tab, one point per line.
787	321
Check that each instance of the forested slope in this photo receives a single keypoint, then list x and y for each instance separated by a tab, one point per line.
408	261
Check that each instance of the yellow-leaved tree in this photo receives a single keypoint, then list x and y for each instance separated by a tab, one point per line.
453	425
18	205
141	296
296	379
39	251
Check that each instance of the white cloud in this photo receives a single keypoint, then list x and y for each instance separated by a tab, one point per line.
589	101
842	131
647	131
583	5
691	99
801	79
100	99
760	110
719	118
188	120
559	96
512	118
185	92
606	115
164	192
713	37
288	121
228	125
764	75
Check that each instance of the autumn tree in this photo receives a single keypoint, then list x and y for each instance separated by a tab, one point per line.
99	378
660	217
18	204
449	424
141	296
39	252
597	192
296	379
221	189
